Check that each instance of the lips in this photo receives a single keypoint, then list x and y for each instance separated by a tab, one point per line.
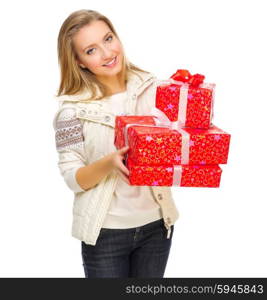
114	60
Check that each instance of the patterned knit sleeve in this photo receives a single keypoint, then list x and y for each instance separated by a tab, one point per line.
69	142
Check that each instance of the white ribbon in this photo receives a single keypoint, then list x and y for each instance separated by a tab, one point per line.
177	175
183	97
182	106
162	120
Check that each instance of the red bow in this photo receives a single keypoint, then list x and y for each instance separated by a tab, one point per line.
185	76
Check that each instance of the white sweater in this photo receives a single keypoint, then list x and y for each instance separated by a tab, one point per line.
131	206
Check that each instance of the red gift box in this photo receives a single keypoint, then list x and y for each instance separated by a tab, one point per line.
156	145
178	175
185	98
122	121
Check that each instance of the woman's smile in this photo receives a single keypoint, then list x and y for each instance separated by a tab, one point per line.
112	63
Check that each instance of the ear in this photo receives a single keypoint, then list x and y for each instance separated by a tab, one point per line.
80	64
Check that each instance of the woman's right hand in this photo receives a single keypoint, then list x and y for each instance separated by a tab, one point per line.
117	158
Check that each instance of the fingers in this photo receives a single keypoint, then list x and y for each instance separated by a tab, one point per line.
123	177
123	150
124	170
120	166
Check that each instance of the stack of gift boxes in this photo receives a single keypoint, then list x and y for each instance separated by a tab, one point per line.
177	144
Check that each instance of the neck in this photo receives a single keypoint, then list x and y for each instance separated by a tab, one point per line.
114	84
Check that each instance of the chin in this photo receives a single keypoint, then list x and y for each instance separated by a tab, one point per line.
116	71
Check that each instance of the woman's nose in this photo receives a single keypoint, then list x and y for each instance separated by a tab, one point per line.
106	53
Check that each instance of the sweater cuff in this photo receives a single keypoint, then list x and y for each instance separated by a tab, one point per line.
72	182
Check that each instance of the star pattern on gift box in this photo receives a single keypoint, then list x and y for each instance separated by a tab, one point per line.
172	88
170	106
177	158
190	96
169	169
191	143
149	138
159	140
217	137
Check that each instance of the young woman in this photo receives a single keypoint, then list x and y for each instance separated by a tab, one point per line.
125	230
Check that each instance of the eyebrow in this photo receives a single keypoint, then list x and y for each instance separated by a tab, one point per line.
93	44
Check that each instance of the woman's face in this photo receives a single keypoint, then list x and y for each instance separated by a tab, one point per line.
98	50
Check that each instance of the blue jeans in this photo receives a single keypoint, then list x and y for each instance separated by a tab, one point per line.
135	252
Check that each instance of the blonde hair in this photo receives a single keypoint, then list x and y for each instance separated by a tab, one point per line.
75	79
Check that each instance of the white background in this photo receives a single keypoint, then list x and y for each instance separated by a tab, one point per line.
221	232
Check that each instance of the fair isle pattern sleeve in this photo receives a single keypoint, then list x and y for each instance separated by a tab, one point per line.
69	141
69	132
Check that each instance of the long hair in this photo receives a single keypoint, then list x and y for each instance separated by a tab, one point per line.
75	79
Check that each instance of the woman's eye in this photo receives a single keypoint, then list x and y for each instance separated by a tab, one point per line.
109	38
90	51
